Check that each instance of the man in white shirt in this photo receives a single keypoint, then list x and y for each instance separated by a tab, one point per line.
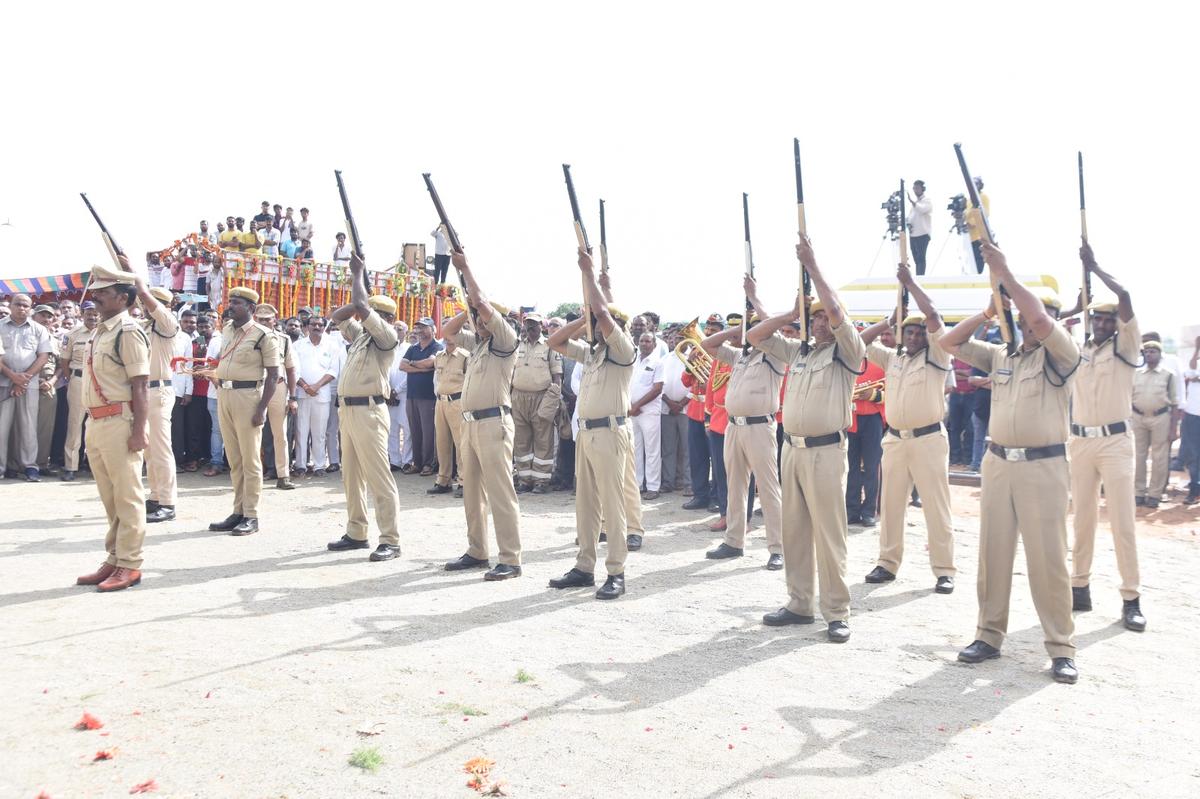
920	223
674	422
317	365
645	408
441	255
400	447
341	251
1190	432
269	238
305	228
285	226
182	440
332	442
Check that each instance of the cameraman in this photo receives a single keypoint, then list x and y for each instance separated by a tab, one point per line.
975	222
920	222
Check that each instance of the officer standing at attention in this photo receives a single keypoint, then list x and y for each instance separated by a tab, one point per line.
248	375
363	391
751	399
916	449
1101	448
1025	472
161	326
816	413
74	358
1156	395
449	371
604	444
283	403
486	456
114	393
537	389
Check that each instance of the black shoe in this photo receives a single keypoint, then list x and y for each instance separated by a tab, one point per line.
916	502
633	542
1139	501
724	551
574	579
502	571
333	467
1063	670
540	488
439	489
151	505
523	488
346	542
880	575
1152	502
838	632
853	517
775	562
696	503
1131	614
385	552
163	513
464	563
458	492
945	585
32	476
67	477
231	521
604	538
784	617
978	652
247	526
714	507
1081	598
867	520
613	587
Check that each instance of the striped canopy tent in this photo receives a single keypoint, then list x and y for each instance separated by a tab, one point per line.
69	282
957	297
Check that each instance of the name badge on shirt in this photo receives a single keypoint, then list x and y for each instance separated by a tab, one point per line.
800	365
1004	371
649	369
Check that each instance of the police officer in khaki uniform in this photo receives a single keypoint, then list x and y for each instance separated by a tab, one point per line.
486	455
816	413
283	404
114	392
537	389
449	372
751	400
916	449
1101	447
161	326
363	418
47	392
604	444
1156	394
74	357
248	376
1025	472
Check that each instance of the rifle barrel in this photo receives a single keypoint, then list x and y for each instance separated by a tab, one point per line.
1003	315
805	287
352	228
451	233
580	230
103	229
749	264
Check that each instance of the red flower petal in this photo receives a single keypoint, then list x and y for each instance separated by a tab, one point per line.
731	746
88	722
149	786
104	754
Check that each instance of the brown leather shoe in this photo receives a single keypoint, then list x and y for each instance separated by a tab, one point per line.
100	575
718	526
121	578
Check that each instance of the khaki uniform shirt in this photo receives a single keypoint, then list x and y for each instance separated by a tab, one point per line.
117	353
161	329
1031	390
77	347
248	356
449	371
50	367
373	348
535	364
287	353
607	372
488	381
1153	389
819	385
1103	383
754	384
914	385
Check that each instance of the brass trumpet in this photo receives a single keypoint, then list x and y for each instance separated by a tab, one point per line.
695	359
867	389
197	367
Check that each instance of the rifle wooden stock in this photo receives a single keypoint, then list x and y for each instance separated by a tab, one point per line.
603	242
582	238
113	248
1085	291
805	285
351	228
749	267
1004	315
902	291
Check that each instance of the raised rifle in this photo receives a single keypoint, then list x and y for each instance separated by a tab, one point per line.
582	238
1003	315
451	234
805	281
902	291
113	248
1085	291
351	228
749	267
603	242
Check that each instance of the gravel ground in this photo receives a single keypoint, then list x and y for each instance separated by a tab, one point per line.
256	667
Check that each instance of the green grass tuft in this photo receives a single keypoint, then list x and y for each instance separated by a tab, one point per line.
367	758
524	676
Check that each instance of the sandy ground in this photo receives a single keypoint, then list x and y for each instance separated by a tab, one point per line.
255	667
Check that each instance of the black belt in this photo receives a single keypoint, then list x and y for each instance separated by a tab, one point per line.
77	372
805	442
606	421
240	383
486	413
377	399
1159	412
917	432
1016	454
450	397
745	420
1088	431
159	383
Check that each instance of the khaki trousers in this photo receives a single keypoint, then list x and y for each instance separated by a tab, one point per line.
1107	460
160	458
1151	437
1030	500
632	492
603	476
813	482
486	468
118	474
243	443
535	437
365	468
447	435
75	416
751	449
47	411
277	417
923	462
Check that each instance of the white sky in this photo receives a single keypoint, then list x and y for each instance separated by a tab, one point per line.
166	113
